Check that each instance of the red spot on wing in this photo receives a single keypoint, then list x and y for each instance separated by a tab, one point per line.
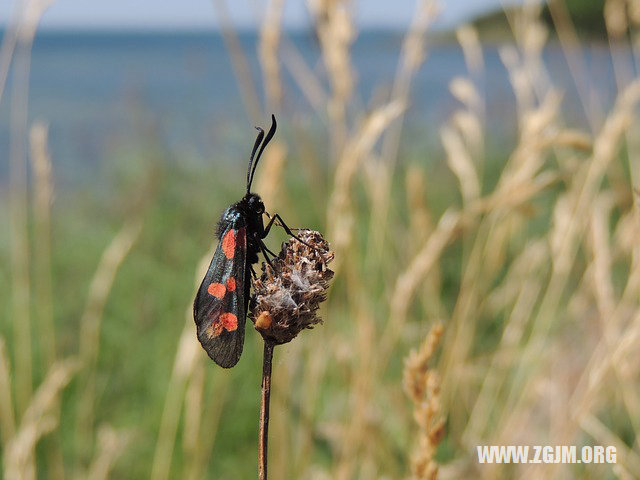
217	290
226	321
229	321
231	284
229	243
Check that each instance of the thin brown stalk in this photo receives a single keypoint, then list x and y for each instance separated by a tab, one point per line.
265	397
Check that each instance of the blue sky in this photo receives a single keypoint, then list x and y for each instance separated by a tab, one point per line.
201	14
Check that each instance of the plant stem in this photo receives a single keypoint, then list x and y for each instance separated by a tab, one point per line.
264	410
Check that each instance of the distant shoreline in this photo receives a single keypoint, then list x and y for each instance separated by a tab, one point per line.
437	37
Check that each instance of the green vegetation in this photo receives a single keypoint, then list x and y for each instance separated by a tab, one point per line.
586	16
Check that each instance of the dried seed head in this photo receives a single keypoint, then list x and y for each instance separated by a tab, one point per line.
288	293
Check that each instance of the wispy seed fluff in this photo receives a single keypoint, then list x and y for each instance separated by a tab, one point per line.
289	292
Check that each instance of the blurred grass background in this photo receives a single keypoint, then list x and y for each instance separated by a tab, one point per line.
526	254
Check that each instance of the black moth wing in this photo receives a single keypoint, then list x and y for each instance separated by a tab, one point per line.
220	306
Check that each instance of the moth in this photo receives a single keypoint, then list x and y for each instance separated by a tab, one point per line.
221	304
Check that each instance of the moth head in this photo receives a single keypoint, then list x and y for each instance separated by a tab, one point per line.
254	203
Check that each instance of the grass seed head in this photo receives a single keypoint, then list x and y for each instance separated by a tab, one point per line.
288	293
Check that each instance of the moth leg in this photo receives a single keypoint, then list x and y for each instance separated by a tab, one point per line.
269	250
269	225
264	250
285	227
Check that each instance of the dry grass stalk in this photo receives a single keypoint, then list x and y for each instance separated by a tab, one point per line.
304	436
209	420
43	198
615	325
335	31
422	385
269	182
467	37
193	411
91	321
420	227
468	121
7	415
486	257
304	77
571	220
268	51
38	420
408	281
339	214
19	461
411	59
188	356
517	294
568	37
461	163
25	19
615	17
9	41
29	16
111	444
18	205
421	223
626	456
43	290
239	62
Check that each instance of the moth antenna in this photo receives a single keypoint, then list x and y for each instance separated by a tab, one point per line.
253	152
267	139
